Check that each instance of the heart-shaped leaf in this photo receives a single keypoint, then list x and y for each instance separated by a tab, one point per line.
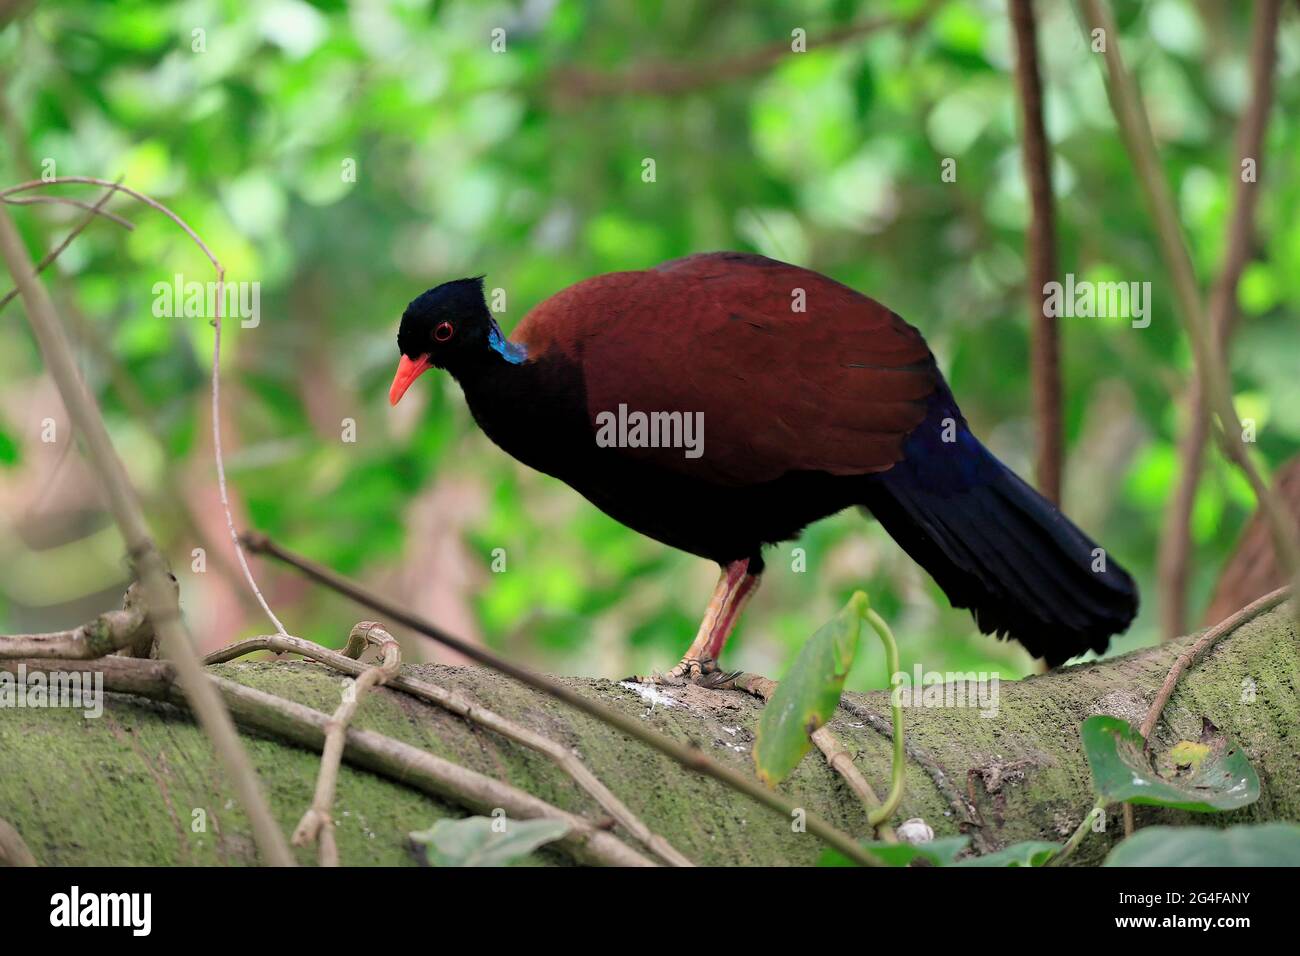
807	696
1208	777
1029	853
1268	844
486	841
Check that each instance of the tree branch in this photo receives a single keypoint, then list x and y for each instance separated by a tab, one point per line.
381	754
110	632
155	580
1023	768
1176	542
1198	649
1040	253
216	358
1136	129
688	756
462	705
318	822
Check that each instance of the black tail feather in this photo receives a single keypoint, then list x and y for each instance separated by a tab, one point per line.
997	547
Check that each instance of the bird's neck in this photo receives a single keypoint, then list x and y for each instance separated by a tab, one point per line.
533	406
490	365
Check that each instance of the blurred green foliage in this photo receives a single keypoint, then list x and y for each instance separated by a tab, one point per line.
472	161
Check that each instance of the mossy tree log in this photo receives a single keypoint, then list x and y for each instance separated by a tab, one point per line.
140	784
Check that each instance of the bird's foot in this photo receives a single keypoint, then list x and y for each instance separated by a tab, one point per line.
703	671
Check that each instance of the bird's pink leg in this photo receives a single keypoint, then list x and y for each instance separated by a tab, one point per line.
733	590
740	596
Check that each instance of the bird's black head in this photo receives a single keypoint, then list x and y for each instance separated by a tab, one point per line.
442	328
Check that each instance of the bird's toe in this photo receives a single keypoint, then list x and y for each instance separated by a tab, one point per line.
657	680
693	670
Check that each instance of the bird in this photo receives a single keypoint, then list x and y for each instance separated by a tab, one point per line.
722	402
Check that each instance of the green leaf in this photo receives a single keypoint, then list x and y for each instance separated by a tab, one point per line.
486	841
1206	781
807	696
940	852
1029	853
1268	844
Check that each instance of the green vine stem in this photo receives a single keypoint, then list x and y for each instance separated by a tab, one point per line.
1077	836
883	812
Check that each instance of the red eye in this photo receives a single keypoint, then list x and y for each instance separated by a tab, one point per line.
444	331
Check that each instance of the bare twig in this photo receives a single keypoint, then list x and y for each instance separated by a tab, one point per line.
216	358
385	756
1040	241
841	761
837	756
689	756
1176	542
155	580
964	811
318	822
128	391
71	201
1194	653
94	210
111	631
473	711
1136	128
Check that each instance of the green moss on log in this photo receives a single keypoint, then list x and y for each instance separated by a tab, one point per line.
126	788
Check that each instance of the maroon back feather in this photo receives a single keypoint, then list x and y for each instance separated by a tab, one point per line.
835	388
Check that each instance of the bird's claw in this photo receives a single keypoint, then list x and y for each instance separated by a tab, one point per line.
703	671
719	680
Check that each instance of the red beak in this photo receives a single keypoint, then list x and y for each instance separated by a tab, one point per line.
408	370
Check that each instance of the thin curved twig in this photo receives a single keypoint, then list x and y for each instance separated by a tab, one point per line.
146	559
965	811
94	210
79	203
837	755
216	357
471	710
1194	653
318	822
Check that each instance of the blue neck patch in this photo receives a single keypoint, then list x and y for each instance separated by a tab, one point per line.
512	352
